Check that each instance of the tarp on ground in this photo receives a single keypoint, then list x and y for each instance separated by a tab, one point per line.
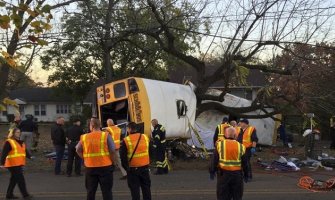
207	122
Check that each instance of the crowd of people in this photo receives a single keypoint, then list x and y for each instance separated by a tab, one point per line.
100	150
234	144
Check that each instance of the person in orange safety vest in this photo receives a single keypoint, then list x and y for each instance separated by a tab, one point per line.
97	149
249	139
220	130
134	153
115	132
227	162
13	158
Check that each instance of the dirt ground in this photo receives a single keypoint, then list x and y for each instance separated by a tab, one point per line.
42	164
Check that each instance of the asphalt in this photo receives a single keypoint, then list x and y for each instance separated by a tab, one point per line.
184	185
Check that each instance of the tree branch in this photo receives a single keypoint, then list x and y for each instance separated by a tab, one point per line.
266	68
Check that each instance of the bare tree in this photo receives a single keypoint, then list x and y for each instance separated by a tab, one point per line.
251	34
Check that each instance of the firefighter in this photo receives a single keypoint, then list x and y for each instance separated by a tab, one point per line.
134	153
97	149
158	135
227	164
13	158
249	139
220	130
115	132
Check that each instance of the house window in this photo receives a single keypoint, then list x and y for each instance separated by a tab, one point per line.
43	110
63	109
4	113
37	110
21	109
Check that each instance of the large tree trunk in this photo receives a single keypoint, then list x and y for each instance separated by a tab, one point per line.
107	57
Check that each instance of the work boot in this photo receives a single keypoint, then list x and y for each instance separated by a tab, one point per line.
12	197
29	197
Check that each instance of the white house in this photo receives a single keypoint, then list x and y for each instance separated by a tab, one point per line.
42	103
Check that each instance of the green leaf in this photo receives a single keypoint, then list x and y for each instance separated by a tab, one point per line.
4	21
32	13
2	4
2	107
46	8
35	24
23	6
16	19
42	42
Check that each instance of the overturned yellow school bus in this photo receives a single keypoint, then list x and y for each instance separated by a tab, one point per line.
140	100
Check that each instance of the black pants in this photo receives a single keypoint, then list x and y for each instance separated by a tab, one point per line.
247	167
59	157
73	156
161	161
102	176
332	144
229	185
16	177
139	178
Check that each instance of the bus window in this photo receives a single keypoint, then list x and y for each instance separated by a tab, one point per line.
181	108
119	90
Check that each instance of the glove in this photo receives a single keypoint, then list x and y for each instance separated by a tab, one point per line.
253	150
211	176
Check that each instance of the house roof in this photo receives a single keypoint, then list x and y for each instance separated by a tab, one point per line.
38	95
256	78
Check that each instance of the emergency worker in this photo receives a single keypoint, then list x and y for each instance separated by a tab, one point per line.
97	149
13	158
249	139
115	132
158	135
134	153
227	164
220	130
234	124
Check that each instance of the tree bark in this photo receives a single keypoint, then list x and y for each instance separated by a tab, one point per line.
106	54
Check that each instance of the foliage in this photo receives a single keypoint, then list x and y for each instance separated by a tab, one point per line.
22	27
78	62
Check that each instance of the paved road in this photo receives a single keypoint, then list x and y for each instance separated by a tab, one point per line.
185	185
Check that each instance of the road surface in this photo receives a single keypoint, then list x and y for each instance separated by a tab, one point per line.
184	184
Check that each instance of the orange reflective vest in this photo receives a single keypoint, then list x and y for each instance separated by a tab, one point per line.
222	130
230	154
116	135
17	154
95	149
247	136
141	155
238	130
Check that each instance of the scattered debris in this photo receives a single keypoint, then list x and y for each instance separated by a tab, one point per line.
282	164
52	155
309	183
182	150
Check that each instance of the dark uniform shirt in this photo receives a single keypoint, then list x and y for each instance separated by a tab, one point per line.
254	137
27	126
58	135
158	134
7	148
73	133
